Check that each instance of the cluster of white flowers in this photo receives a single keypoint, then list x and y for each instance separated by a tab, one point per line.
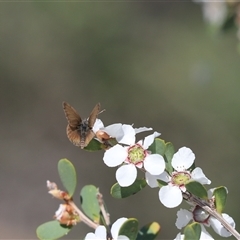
129	155
101	232
199	215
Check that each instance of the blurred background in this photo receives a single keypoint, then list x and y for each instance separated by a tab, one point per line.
151	64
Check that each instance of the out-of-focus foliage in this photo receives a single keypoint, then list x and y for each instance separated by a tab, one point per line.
222	15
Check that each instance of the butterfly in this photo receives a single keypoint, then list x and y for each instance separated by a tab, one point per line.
79	131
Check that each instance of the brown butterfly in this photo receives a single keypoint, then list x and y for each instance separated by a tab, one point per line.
79	131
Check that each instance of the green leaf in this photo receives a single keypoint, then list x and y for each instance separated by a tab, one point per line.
161	183
51	230
94	145
192	231
90	203
129	228
169	152
149	231
122	192
220	194
67	175
158	146
229	22
197	189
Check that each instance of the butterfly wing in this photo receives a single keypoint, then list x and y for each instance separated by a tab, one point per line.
72	116
80	132
74	136
89	136
93	116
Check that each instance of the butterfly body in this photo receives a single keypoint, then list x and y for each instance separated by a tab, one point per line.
80	131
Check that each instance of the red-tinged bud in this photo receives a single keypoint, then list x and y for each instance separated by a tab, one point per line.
66	215
60	195
101	135
106	140
55	192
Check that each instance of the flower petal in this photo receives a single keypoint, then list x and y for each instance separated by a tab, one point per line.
97	125
142	129
116	227
152	179
164	177
179	237
121	237
204	234
115	156
183	159
154	164
126	175
129	135
218	227
170	196
90	236
115	130
101	232
60	211
198	175
183	218
149	139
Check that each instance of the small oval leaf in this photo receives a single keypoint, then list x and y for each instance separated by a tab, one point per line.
192	231
67	175
122	192
161	183
158	146
129	228
149	231
220	194
51	230
169	152
197	189
94	145
90	203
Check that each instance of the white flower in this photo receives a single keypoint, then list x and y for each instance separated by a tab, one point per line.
59	213
204	235
123	133
66	215
171	194
199	215
214	12
101	232
179	237
97	125
134	155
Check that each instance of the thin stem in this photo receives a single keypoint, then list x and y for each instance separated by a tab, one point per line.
54	191
82	216
220	218
208	208
102	208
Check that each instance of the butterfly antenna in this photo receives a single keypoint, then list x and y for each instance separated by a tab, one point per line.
102	111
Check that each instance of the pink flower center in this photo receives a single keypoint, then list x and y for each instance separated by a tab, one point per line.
136	155
180	178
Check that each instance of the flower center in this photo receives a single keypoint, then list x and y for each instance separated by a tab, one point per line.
180	178
136	154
